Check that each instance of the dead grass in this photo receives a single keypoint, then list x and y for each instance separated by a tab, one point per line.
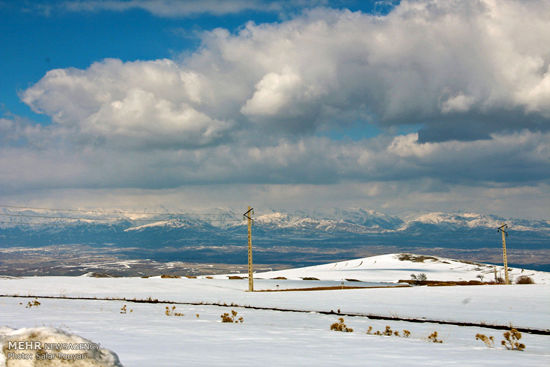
488	340
524	279
33	303
172	311
511	340
433	338
340	326
232	318
169	276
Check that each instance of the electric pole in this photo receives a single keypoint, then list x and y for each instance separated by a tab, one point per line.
502	229
248	215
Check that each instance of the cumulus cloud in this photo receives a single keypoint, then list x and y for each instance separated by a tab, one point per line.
249	107
462	69
135	104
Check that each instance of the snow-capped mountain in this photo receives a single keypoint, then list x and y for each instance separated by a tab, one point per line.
222	226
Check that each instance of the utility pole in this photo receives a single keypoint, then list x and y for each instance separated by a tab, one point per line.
502	229
248	215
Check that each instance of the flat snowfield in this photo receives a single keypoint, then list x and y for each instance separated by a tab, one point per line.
192	334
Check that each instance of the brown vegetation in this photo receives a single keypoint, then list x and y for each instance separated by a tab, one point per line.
524	279
511	340
340	326
172	311
489	341
416	258
232	318
433	337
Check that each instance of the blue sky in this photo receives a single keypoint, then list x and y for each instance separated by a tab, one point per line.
400	107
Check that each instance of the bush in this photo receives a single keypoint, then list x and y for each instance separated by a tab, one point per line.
226	317
341	326
33	303
124	310
524	279
489	341
511	340
168	276
419	278
172	311
388	332
433	338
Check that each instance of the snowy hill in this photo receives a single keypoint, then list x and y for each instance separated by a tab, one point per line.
166	322
393	267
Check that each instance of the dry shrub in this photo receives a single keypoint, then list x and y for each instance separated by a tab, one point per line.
340	326
168	276
233	277
279	278
172	311
310	278
524	279
389	332
433	338
232	318
489	341
124	310
191	276
511	340
33	303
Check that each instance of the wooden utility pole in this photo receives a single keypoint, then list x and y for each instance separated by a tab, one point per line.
248	216
502	229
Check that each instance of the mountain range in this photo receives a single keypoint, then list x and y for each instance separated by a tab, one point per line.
223	227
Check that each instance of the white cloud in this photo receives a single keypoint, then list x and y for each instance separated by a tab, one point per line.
138	103
273	93
245	107
445	64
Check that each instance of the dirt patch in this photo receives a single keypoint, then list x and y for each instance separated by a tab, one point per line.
417	258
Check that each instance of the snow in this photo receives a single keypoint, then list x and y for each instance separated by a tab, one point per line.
390	268
34	346
146	336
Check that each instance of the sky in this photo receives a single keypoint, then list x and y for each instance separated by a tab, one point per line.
400	107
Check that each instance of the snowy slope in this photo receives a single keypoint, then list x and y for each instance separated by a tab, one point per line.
393	267
143	335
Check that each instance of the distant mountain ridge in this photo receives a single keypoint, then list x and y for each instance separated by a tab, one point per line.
346	227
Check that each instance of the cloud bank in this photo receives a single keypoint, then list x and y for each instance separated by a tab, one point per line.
251	106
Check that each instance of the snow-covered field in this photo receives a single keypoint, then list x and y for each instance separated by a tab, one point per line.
146	336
